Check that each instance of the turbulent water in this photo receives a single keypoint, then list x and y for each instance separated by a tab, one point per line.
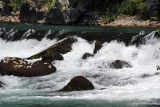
113	87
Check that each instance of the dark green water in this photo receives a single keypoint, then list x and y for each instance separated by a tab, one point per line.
37	27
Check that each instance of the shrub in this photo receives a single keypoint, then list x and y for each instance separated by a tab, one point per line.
14	4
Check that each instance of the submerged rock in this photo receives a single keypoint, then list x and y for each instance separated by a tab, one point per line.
1	84
118	64
19	67
78	83
86	55
55	51
98	46
51	57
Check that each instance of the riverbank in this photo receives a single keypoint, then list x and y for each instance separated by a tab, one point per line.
133	21
119	22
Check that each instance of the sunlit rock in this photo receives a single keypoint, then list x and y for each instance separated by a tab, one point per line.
78	83
19	67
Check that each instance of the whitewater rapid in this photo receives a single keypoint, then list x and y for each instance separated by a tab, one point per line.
124	84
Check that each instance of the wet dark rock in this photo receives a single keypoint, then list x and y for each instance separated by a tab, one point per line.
59	48
51	57
19	67
98	46
44	87
157	73
86	55
78	83
118	64
1	84
146	75
30	14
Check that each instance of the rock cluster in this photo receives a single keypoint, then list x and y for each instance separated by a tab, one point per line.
98	46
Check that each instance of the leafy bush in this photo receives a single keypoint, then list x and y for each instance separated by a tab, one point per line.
14	4
158	31
158	67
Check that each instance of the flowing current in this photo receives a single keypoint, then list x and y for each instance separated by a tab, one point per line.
113	87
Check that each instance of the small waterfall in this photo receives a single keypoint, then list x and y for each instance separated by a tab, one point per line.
28	33
10	34
48	33
61	32
150	38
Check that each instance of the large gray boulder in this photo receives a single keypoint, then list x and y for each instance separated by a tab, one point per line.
29	13
71	15
65	17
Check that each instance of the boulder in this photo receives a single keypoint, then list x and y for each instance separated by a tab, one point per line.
98	46
71	15
55	17
65	17
78	83
118	64
19	67
55	50
86	55
29	13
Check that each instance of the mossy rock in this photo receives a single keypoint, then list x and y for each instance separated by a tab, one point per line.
98	46
78	83
59	48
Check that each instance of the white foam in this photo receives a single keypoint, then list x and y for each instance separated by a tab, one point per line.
117	84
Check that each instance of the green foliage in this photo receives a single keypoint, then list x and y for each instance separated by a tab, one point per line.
158	31
14	4
132	7
50	4
73	3
158	67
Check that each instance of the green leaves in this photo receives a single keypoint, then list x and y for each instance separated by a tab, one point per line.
158	67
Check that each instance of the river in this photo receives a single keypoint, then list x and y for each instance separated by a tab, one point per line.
124	87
